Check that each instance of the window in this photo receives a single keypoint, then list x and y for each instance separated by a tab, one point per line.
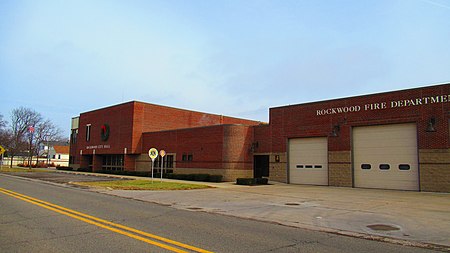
73	136
317	166
54	156
366	166
88	132
404	167
112	162
187	157
299	166
59	156
385	166
168	161
308	166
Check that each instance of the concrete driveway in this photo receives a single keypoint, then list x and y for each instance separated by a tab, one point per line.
409	218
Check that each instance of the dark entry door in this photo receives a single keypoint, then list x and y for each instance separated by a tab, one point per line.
260	166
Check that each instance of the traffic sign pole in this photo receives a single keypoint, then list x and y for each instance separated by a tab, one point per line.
162	153
153	163
162	167
153	153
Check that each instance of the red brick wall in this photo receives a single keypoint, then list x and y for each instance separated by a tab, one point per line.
119	118
129	120
213	147
236	148
205	144
152	118
262	135
303	120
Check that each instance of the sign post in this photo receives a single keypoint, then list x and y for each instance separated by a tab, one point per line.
153	153
162	153
2	150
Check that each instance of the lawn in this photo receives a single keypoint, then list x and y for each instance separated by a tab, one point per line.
17	169
142	185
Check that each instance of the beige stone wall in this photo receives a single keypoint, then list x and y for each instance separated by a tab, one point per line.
278	170
229	175
434	167
340	168
143	163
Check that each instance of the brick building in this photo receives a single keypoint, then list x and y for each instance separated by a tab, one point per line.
119	137
392	140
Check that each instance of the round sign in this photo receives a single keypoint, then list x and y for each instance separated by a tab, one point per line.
153	153
162	153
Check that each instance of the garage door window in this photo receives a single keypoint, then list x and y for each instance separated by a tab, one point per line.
404	167
385	166
366	166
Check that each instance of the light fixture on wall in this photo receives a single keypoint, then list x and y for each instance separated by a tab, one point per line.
335	131
254	146
431	125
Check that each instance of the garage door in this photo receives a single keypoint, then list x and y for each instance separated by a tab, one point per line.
308	161
386	157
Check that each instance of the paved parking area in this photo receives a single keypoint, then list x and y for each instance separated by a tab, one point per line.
62	178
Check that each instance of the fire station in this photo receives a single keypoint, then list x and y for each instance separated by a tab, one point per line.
393	140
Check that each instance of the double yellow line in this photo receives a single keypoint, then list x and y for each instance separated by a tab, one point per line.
114	227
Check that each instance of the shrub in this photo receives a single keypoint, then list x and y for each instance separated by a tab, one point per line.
200	177
262	180
251	181
215	178
64	168
84	169
245	181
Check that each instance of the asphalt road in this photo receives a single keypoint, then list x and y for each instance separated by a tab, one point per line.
29	227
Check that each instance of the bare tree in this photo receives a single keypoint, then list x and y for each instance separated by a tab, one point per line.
4	136
45	131
23	121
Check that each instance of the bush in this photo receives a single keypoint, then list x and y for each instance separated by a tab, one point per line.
64	168
201	177
215	178
262	180
84	169
195	177
251	181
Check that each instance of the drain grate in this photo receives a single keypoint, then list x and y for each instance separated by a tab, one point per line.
292	204
383	227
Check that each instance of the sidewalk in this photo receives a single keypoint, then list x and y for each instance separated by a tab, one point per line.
412	218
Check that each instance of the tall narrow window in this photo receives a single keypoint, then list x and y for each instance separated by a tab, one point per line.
88	132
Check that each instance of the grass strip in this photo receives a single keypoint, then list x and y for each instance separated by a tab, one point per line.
18	169
142	185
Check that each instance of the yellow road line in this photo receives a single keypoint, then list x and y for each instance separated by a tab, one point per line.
86	217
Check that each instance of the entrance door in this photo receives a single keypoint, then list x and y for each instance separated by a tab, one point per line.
260	166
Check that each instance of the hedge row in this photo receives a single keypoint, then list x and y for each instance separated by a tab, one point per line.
251	181
64	168
189	177
196	177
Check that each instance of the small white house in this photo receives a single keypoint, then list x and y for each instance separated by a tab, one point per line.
59	155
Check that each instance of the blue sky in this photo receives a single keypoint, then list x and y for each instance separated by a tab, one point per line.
235	58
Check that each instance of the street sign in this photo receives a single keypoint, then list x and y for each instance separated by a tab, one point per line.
2	150
153	153
162	153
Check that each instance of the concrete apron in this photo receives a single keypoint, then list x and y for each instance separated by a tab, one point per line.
408	218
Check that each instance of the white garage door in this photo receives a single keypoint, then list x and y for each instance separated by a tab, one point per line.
308	161
386	157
